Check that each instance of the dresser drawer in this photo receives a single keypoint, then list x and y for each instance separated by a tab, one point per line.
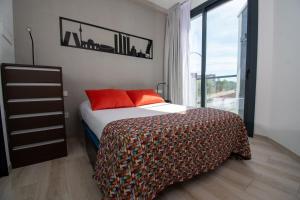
18	108
32	75
54	133
27	92
24	123
29	155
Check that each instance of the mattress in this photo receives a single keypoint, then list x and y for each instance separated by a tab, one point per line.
97	120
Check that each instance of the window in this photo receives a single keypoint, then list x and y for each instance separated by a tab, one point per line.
223	57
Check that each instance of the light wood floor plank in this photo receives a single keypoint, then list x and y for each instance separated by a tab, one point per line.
240	193
198	192
288	172
57	187
241	180
264	191
284	163
218	188
175	193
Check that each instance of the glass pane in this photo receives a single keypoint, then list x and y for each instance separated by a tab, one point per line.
195	61
226	56
222	94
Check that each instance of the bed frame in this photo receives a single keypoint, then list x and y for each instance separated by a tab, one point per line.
91	143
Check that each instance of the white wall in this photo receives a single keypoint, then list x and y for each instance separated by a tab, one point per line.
264	66
85	69
278	97
7	53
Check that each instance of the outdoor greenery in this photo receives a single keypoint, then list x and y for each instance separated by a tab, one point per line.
215	86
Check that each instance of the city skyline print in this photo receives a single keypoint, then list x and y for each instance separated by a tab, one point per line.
82	35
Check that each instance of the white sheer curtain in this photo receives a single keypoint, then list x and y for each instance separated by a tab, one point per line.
176	62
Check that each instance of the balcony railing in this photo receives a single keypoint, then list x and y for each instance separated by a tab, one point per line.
221	92
198	77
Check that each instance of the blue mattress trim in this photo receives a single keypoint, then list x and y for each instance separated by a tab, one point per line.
91	135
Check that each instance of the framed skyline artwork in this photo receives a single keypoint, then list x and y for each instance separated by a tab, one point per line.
82	35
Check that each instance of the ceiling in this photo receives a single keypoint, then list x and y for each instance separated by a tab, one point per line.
164	5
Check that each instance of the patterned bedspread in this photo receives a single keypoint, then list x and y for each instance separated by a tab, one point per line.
139	157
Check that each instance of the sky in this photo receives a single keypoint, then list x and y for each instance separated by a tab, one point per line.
222	39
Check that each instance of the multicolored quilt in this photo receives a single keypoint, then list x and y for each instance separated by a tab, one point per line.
139	157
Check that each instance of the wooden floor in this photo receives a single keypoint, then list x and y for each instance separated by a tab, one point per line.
271	174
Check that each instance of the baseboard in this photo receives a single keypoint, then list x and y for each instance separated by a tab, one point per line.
280	146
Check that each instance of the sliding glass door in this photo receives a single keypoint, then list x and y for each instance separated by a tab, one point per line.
225	68
219	75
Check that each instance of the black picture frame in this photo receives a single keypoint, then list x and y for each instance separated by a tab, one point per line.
251	60
122	43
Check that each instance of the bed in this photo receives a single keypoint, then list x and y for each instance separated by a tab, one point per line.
139	151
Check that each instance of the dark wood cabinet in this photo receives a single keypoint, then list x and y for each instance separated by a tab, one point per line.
34	107
3	162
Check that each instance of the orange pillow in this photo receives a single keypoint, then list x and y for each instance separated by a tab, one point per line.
108	98
144	97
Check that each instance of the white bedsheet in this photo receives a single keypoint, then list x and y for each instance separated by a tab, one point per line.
97	120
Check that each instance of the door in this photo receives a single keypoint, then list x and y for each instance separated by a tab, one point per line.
223	57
